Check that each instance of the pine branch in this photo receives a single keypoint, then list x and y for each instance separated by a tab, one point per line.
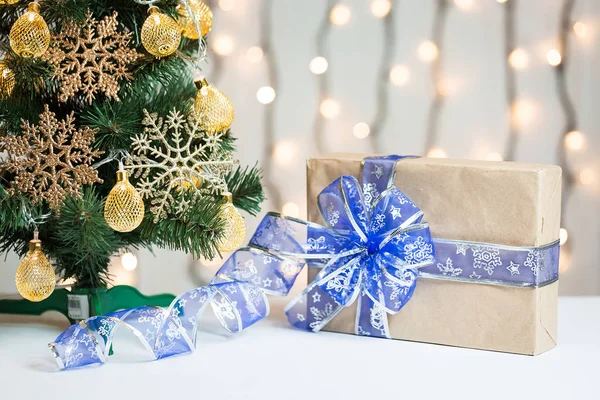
246	188
82	241
197	231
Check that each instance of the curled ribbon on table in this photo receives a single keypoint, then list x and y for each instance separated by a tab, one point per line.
370	251
172	331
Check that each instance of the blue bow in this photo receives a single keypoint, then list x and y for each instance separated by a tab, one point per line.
370	250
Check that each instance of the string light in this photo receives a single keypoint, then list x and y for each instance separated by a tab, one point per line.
574	140
494	157
518	59
291	210
224	45
448	87
564	236
226	5
254	54
285	153
428	51
340	14
465	5
381	8
361	130
330	108
586	176
580	29
129	261
265	95
318	65
399	75
437	152
523	112
554	57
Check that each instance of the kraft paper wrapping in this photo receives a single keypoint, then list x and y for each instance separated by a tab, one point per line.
494	202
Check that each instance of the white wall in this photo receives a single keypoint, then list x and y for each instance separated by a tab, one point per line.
473	122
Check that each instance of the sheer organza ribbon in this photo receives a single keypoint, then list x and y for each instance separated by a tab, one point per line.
238	304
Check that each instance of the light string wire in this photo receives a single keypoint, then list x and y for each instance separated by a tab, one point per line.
266	24
439	24
566	102
510	78
389	46
322	79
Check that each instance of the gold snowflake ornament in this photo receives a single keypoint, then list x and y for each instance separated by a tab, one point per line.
174	161
51	160
91	58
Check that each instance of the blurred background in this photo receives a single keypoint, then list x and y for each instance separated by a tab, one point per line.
480	79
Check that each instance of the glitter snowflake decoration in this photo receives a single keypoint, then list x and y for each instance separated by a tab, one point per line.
52	160
175	161
91	58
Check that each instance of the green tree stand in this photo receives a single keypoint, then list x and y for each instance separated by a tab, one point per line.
100	301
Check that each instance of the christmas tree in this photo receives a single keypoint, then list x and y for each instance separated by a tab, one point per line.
108	142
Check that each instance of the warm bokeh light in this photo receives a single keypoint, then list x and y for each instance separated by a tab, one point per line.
340	14
564	236
428	51
291	210
129	261
318	65
437	152
448	87
361	130
465	5
254	54
586	176
381	8
330	108
501	1
399	75
554	58
265	95
574	140
523	112
564	261
518	59
226	5
224	45
285	152
580	29
494	157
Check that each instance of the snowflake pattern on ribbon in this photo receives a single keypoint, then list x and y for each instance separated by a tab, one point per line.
486	258
448	269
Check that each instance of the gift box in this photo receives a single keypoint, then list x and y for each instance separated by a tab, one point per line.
494	282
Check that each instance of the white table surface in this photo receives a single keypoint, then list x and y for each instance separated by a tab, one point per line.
273	361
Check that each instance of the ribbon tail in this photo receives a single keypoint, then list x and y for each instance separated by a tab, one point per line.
312	309
371	318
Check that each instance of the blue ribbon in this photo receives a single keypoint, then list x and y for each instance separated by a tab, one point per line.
237	303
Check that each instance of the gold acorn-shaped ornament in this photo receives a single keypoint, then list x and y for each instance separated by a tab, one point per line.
161	34
35	278
30	36
201	13
7	81
235	227
124	207
213	108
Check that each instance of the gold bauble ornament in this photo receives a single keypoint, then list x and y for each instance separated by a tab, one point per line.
235	227
124	207
8	2
160	34
35	276
7	81
213	108
30	36
202	14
